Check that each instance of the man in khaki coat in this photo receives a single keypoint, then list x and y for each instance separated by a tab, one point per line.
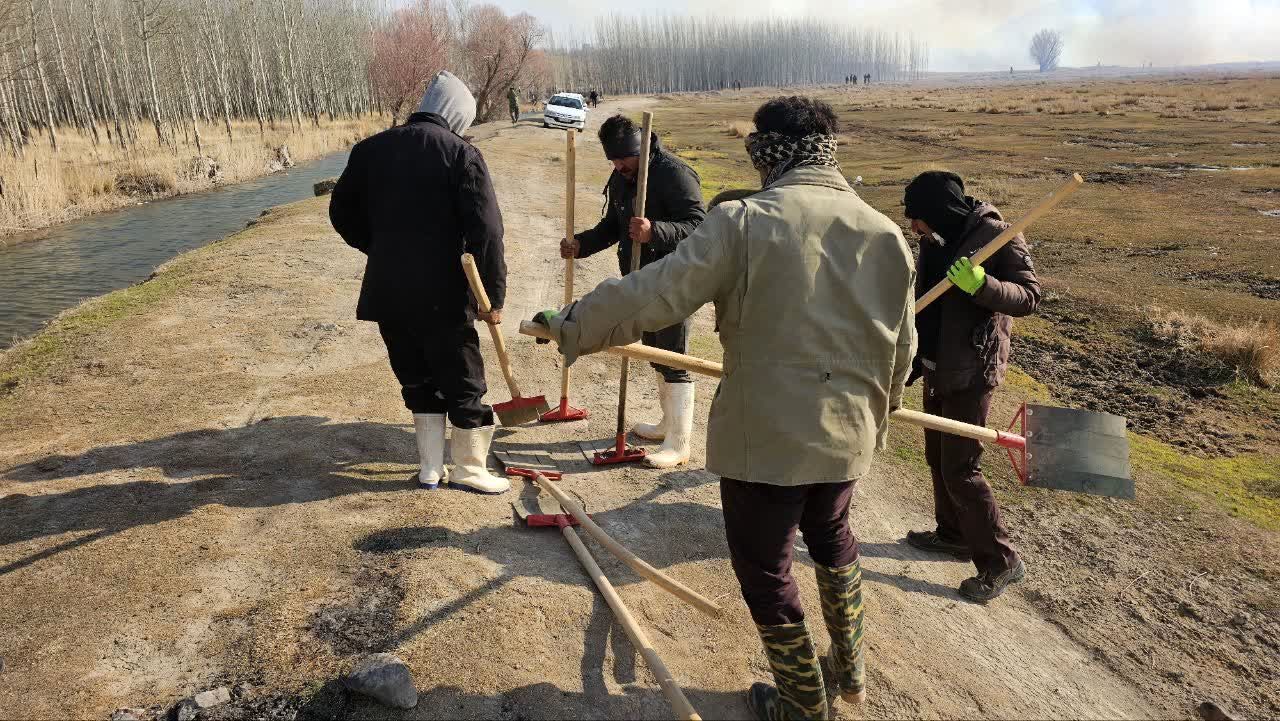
813	291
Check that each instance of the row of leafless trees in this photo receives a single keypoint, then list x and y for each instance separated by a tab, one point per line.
128	70
667	54
150	71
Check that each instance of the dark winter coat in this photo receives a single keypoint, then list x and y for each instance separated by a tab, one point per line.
673	204
414	199
973	348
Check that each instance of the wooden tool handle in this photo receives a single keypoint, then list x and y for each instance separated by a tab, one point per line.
715	370
670	689
639	352
482	300
642	194
677	589
642	181
988	250
570	194
946	425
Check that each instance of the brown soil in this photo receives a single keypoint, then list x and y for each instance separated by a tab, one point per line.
219	491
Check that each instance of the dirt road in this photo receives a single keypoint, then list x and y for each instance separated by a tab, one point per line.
218	490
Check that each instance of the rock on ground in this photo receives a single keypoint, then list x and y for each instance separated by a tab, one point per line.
209	699
186	710
384	678
324	187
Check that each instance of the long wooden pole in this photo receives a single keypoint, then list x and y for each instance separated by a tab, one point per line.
674	587
642	191
988	250
715	370
571	166
482	301
670	689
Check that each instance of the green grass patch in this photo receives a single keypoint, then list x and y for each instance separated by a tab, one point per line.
911	453
1026	387
724	174
1247	486
694	154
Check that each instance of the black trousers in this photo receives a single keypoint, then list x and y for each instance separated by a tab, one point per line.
963	503
440	371
675	339
760	522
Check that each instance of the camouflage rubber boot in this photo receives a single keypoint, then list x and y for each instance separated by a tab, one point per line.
799	691
841	592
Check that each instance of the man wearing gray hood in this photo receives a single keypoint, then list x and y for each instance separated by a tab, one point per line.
414	199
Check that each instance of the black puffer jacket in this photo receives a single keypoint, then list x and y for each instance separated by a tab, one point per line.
973	344
415	198
674	205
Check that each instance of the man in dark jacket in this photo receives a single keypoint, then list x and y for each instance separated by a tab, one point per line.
673	208
963	355
414	199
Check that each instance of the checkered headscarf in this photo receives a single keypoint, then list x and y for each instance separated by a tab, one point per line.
779	153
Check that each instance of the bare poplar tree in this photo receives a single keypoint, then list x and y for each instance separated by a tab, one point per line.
1046	49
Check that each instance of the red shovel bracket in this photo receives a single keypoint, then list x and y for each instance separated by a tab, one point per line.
564	413
621	453
1016	443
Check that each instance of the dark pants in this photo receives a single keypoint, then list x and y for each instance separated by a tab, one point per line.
515	114
760	522
963	502
675	339
440	372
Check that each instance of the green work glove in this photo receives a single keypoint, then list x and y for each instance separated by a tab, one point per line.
966	276
544	318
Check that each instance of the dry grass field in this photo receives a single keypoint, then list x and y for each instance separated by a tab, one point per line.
1162	298
44	188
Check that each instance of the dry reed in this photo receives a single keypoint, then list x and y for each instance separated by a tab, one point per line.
43	188
1251	348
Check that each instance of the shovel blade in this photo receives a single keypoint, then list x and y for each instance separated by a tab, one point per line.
1075	450
519	411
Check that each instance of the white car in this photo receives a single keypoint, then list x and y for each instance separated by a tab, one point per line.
565	110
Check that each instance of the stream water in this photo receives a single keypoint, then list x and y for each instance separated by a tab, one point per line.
88	257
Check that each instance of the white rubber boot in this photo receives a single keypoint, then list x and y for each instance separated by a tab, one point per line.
429	429
470	461
657	432
675	448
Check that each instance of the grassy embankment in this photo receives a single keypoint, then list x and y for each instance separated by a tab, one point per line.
44	188
68	338
1155	226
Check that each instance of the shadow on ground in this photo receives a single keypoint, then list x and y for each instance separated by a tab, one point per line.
276	461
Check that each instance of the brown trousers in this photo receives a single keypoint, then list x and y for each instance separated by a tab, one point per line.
760	522
964	505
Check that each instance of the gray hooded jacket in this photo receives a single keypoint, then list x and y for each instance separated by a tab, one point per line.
448	97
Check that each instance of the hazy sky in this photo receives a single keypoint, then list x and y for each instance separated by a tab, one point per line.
993	34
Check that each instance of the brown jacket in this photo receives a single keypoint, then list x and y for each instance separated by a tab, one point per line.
973	350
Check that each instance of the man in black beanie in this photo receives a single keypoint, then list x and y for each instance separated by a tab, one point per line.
673	208
963	355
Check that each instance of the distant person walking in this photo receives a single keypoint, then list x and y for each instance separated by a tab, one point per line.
964	342
513	103
866	79
855	78
414	199
594	98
